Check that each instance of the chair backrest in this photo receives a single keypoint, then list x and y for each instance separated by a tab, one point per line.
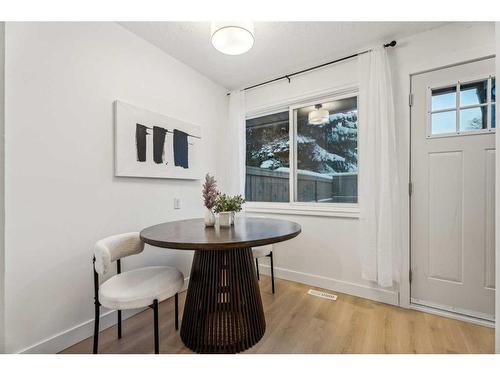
116	247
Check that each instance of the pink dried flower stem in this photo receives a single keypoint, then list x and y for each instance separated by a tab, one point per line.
209	191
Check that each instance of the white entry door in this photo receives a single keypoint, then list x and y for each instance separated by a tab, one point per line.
452	189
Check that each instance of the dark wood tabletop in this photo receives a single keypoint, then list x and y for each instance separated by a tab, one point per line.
193	235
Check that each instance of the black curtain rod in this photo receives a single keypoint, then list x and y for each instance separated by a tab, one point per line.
287	76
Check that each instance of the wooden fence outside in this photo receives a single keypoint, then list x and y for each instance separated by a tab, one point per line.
265	185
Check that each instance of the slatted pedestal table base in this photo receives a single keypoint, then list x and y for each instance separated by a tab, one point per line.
223	311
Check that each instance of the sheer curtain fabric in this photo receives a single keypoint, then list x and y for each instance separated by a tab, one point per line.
380	224
237	139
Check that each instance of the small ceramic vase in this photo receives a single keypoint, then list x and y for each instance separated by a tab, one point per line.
225	219
209	218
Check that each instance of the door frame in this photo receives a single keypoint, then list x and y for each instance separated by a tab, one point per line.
405	285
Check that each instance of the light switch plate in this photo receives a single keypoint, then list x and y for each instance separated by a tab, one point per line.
177	204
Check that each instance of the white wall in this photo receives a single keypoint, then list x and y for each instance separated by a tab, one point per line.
497	206
2	197
325	254
61	193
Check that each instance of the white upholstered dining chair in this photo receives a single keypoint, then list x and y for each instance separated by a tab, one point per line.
137	288
262	252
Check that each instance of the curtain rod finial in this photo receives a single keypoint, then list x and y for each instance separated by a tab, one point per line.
391	44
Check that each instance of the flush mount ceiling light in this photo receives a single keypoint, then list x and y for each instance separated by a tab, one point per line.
232	38
319	116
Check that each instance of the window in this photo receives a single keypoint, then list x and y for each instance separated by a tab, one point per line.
267	158
327	153
322	165
463	108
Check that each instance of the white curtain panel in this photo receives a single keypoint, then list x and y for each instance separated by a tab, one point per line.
380	224
237	143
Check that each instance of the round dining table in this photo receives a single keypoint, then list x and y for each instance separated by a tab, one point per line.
223	309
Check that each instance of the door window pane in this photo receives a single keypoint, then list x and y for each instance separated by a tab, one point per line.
444	98
493	90
493	115
493	105
267	158
444	122
327	152
474	93
473	118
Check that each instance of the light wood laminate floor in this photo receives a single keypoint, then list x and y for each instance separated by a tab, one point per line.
299	323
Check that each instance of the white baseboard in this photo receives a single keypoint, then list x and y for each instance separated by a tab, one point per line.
70	337
363	291
74	335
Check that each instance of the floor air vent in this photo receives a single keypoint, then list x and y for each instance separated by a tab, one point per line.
324	295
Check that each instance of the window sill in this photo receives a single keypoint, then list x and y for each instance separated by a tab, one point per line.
350	211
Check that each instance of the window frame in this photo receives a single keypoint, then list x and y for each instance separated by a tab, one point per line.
458	107
337	209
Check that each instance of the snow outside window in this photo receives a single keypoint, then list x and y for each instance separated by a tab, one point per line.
325	155
268	158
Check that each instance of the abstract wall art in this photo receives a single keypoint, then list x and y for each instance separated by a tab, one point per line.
148	144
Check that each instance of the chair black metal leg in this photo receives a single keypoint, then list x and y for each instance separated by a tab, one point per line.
96	329
119	324
257	267
156	333
176	311
272	270
118	271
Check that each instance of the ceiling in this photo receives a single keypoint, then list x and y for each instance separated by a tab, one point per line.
280	47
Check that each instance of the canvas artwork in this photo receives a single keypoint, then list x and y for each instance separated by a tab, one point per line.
149	144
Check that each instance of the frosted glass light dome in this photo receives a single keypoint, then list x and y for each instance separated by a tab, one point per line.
232	38
319	116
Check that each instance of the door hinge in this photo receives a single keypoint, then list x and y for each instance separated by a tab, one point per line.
410	275
410	188
410	99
